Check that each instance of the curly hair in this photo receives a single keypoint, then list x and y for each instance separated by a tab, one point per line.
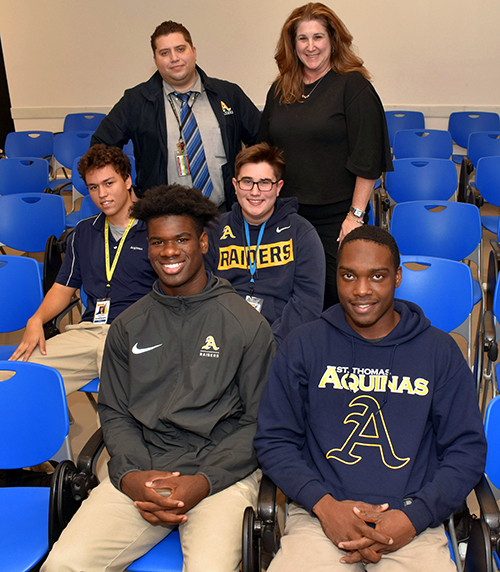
170	27
289	82
100	155
176	200
373	234
261	153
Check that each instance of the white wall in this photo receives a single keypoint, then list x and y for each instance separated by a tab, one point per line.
67	55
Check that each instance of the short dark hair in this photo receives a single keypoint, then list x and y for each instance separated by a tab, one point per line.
100	155
261	153
176	200
170	27
373	234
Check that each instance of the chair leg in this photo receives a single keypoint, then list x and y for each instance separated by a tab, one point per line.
65	452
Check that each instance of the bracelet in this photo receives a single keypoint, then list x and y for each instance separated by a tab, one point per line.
355	219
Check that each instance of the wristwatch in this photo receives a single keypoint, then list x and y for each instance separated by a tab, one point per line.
357	212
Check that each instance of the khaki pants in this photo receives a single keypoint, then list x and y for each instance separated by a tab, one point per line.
107	533
306	547
76	354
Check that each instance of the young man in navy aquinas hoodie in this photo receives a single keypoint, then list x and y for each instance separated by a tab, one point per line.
370	424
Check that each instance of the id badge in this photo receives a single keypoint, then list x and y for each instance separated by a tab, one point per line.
102	311
182	160
255	302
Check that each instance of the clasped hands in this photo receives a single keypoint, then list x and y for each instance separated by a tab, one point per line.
346	525
186	492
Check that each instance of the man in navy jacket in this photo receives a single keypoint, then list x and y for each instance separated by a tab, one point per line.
370	423
149	115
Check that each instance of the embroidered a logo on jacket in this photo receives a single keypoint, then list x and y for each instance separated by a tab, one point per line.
370	430
227	233
225	109
210	348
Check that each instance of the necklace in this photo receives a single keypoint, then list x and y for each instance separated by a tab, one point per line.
304	96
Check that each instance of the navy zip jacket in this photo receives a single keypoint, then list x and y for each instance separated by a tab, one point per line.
140	116
290	275
395	420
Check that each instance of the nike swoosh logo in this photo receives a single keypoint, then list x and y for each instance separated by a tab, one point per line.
278	229
136	350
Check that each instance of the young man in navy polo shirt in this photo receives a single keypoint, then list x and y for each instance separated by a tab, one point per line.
107	255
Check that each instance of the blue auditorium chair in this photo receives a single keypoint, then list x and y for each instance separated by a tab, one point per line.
462	123
397	120
410	143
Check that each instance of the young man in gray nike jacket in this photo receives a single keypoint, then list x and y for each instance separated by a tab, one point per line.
182	376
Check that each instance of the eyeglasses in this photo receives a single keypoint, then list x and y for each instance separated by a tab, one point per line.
264	185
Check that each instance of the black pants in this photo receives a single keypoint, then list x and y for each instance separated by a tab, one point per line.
327	220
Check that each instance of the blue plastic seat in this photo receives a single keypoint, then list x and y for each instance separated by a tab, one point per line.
68	146
442	288
80	187
33	426
28	219
20	294
421	179
483	144
422	143
88	121
462	123
166	556
29	144
397	120
488	184
442	229
23	175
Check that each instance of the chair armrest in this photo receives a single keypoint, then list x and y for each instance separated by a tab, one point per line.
464	189
382	204
479	548
267	513
490	342
488	504
87	459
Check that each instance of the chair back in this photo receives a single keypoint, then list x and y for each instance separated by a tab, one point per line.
33	414
488	179
421	179
20	291
422	143
88	121
442	229
76	180
88	208
29	144
71	144
442	288
397	120
483	144
462	123
28	219
23	175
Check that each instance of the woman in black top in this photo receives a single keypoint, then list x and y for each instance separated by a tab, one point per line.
324	113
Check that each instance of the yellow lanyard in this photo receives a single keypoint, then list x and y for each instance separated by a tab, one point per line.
110	270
